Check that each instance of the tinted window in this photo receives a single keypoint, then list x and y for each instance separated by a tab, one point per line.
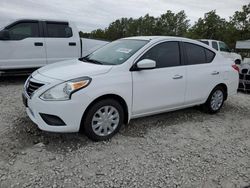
205	42
24	30
215	45
195	54
209	55
59	30
224	47
165	54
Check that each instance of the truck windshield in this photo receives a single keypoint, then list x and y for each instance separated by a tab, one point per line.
115	53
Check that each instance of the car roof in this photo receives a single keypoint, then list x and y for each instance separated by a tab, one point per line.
149	38
40	19
160	38
209	40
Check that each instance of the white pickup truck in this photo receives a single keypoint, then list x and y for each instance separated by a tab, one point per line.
223	49
29	44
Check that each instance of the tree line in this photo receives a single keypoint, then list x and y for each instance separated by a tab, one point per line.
211	26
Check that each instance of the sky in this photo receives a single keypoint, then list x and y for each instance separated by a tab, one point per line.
93	14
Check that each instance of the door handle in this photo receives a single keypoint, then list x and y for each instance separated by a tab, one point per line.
176	77
72	44
215	73
38	44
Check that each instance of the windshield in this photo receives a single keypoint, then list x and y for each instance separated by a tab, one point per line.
115	53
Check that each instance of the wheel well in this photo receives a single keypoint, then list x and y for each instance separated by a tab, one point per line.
224	88
109	96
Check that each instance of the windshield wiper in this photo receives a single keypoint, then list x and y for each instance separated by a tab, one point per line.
86	59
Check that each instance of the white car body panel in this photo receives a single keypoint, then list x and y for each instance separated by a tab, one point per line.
145	92
24	54
58	49
230	55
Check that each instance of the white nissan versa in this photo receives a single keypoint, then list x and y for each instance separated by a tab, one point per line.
126	79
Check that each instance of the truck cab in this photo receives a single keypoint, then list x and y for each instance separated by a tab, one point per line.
223	48
30	43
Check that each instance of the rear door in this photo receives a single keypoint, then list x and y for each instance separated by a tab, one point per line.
25	47
62	42
203	73
161	88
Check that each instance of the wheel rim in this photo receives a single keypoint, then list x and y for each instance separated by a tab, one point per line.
105	121
217	100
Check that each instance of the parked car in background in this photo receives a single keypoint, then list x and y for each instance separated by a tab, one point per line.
244	83
26	44
223	49
126	79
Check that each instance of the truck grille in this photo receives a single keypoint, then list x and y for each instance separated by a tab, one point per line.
32	87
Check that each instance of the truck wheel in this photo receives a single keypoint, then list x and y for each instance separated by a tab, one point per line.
103	120
215	100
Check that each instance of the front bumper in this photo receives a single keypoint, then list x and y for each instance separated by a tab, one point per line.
70	111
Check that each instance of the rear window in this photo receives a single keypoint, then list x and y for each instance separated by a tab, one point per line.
215	45
209	55
205	42
59	30
197	54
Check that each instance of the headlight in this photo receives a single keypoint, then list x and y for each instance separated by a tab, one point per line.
64	90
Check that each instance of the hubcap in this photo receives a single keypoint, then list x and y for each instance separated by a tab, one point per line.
105	120
217	100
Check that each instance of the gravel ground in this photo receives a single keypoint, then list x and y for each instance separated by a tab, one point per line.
186	148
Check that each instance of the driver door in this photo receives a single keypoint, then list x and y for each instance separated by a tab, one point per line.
25	47
161	88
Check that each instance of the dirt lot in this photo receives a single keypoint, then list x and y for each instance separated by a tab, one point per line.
179	149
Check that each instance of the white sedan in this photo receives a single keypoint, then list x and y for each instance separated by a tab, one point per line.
126	79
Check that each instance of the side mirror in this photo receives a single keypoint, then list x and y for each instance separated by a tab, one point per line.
4	35
143	65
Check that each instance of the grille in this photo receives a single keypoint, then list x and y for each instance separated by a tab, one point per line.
248	77
241	76
32	87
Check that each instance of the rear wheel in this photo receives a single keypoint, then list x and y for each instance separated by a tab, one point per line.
215	100
103	120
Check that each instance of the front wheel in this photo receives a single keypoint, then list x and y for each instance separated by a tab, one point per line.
215	100
103	120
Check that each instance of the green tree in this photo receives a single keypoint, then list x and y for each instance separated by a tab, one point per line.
241	21
172	24
212	26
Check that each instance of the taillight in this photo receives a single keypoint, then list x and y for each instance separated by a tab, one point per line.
235	67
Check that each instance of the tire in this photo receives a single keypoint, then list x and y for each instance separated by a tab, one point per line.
213	106
103	120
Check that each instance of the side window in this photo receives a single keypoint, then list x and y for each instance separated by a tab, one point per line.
166	54
24	30
215	45
195	54
59	30
209	55
224	47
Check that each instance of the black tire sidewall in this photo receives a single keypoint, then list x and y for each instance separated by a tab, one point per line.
208	107
87	123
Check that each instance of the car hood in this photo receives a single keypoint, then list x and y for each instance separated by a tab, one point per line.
72	69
